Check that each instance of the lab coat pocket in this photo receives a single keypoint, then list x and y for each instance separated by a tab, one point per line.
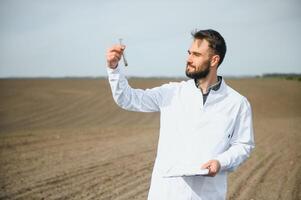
215	130
222	133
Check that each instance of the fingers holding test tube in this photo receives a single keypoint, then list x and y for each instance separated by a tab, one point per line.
113	55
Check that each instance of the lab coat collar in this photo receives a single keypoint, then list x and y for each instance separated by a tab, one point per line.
214	94
215	86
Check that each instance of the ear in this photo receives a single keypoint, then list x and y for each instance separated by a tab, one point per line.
215	60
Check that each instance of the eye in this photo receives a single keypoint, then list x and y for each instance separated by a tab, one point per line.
194	53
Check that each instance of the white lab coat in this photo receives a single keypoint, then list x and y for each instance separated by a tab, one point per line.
191	134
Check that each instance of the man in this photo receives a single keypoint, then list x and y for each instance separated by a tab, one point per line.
204	122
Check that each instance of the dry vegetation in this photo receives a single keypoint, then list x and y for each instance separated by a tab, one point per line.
66	139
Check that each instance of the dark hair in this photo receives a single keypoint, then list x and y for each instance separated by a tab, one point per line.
215	40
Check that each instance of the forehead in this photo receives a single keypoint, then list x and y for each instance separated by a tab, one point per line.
200	45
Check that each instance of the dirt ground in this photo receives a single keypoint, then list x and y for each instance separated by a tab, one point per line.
66	139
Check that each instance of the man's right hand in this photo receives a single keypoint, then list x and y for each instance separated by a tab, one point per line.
114	55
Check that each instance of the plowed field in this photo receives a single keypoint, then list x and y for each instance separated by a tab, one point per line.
67	139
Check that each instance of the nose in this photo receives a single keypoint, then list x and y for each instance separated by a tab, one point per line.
189	58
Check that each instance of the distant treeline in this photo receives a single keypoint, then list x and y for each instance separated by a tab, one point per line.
289	76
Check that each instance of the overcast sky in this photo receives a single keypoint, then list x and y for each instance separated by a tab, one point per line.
69	38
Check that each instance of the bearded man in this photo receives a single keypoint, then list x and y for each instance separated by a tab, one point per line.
205	124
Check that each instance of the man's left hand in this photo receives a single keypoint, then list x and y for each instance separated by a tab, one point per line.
213	166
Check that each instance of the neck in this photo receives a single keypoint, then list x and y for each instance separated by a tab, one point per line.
204	83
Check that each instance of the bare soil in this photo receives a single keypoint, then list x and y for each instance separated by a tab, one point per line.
67	139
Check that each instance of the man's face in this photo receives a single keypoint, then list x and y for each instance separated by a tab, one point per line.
199	59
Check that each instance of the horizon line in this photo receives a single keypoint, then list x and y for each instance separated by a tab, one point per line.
155	77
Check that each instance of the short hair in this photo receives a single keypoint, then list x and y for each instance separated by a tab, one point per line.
215	40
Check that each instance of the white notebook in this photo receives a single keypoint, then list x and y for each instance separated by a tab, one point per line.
180	171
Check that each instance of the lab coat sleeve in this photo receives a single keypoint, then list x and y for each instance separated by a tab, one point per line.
131	99
242	141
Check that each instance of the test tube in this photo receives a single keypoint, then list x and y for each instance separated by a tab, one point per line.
123	56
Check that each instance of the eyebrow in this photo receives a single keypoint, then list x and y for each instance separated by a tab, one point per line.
194	52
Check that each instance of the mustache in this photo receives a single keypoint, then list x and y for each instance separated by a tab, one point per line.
188	64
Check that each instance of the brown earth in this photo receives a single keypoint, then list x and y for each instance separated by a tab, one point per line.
66	139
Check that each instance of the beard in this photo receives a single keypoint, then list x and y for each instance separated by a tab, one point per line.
198	74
